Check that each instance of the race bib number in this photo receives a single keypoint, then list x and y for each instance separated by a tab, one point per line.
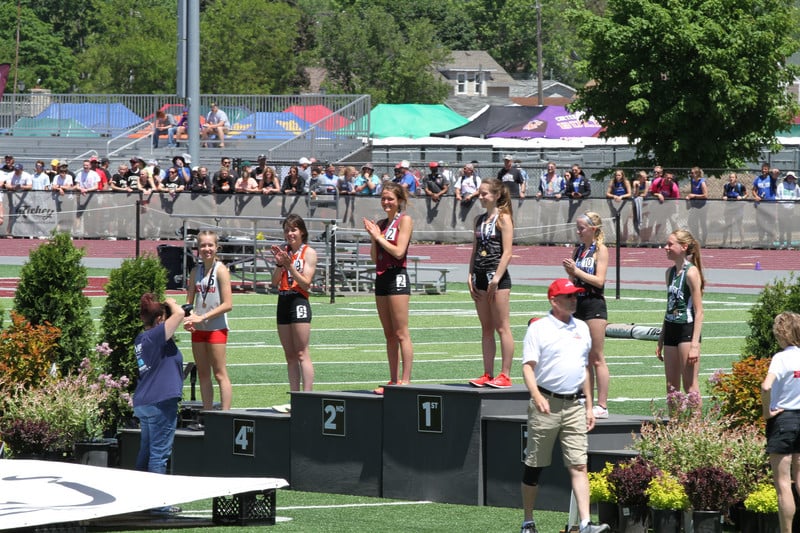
391	234
301	311
401	281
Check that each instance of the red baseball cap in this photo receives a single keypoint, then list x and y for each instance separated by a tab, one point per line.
562	286
433	164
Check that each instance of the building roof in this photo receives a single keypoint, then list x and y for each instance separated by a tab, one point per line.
476	61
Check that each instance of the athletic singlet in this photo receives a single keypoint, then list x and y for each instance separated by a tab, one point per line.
618	188
584	260
697	188
207	297
287	282
391	231
490	243
680	308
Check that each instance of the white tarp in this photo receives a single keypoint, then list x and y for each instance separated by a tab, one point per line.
34	493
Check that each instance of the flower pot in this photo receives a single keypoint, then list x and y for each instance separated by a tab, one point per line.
747	520
95	453
767	523
707	521
633	519
608	513
665	520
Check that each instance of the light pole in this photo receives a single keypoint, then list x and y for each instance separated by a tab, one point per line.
540	87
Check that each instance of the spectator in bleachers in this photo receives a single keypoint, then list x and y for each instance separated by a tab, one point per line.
578	186
293	184
184	174
63	183
222	182
180	128
512	177
304	168
787	194
258	170
87	180
52	172
551	185
136	166
313	182
225	163
172	183
406	178
466	186
765	187
329	181
696	199
41	181
665	187
269	182
641	185
146	184
101	167
8	164
217	124
246	183
347	181
120	182
163	123
619	188
435	184
18	179
367	182
199	182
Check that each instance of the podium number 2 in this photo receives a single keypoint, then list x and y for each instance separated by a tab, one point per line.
333	417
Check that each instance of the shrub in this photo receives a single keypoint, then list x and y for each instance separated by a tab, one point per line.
738	393
764	499
26	353
691	440
29	437
51	290
599	487
666	492
629	481
783	295
120	322
711	488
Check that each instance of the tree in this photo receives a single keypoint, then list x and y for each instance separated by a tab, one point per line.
50	291
392	66
693	82
41	54
250	47
133	50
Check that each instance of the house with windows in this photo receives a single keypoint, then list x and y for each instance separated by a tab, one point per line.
474	73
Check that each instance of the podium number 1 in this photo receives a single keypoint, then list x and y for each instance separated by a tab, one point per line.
429	414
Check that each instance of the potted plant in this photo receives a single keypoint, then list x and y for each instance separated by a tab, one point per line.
712	491
667	499
761	510
28	439
600	494
629	481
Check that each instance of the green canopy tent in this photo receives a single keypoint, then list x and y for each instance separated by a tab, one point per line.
50	127
406	120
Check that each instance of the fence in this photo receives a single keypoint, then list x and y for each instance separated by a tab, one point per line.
717	223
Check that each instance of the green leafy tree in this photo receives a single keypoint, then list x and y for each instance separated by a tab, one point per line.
41	53
250	47
133	49
392	66
783	295
120	322
50	290
695	82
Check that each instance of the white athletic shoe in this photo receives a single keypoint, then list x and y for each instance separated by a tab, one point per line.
599	411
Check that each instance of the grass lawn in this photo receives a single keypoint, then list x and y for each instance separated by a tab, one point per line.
348	351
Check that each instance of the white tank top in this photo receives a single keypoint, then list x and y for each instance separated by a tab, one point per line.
207	298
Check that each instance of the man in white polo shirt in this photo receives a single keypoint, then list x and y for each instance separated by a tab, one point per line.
555	356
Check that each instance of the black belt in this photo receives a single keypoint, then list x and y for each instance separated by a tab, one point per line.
570	397
287	293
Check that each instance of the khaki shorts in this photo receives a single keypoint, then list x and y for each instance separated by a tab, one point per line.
566	422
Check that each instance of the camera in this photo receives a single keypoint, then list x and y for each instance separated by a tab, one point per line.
187	309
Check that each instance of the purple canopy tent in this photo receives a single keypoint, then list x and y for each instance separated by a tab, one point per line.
552	122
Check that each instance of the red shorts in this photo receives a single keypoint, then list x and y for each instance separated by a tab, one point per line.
217	336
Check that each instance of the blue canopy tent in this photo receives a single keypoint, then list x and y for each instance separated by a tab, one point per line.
107	118
276	126
49	127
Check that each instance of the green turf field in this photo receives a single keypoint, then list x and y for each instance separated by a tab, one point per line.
348	352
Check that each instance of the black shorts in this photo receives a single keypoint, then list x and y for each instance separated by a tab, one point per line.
675	334
591	306
481	279
783	433
392	282
293	308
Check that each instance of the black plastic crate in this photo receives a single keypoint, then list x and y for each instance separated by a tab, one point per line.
247	508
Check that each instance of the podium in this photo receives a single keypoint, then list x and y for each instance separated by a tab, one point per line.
433	444
337	442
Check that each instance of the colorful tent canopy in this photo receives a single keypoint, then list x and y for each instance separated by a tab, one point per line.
407	120
48	127
102	118
274	126
526	122
316	113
